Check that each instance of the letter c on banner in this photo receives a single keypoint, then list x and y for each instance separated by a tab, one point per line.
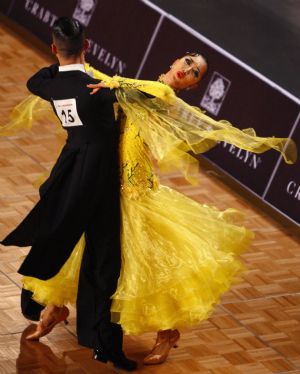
290	187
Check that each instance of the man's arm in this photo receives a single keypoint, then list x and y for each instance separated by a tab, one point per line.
39	82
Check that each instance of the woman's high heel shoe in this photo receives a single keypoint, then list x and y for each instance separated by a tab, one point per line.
50	316
166	340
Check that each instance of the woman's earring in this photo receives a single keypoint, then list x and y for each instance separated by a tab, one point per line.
191	87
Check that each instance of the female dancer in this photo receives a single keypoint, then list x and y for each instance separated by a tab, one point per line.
178	257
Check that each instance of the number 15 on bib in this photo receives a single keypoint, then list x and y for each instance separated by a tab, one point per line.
66	111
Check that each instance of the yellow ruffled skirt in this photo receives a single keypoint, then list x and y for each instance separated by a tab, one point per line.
178	258
61	289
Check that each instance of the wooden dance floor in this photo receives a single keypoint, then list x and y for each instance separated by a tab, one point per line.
256	328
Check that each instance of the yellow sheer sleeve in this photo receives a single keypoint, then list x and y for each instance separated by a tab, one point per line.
153	88
23	116
96	73
31	109
171	129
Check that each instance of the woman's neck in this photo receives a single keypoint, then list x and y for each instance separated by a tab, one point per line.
166	79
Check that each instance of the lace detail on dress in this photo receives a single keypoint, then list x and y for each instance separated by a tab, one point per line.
137	175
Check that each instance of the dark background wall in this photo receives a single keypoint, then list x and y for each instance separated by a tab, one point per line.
265	34
136	38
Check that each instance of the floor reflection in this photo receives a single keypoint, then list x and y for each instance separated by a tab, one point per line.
36	355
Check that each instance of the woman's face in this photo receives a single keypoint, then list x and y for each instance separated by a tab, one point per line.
187	71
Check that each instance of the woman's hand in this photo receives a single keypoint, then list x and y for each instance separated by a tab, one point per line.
96	87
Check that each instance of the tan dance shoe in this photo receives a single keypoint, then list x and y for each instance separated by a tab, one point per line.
50	316
166	340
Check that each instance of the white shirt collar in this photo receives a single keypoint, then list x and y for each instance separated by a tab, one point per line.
72	67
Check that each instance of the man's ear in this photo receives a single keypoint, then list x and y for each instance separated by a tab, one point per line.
54	49
86	45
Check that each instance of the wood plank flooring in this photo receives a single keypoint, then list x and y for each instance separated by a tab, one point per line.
256	329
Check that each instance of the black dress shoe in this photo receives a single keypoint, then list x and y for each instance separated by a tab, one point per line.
119	360
30	309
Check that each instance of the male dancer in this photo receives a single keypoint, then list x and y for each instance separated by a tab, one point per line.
80	196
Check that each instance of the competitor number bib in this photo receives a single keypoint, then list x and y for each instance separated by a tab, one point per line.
67	112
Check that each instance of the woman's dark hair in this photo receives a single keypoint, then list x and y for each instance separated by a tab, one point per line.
68	36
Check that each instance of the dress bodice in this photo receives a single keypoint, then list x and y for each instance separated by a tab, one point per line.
136	168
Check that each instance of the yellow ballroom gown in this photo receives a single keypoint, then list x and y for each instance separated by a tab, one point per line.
178	256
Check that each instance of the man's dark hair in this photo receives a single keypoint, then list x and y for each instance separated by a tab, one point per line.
68	36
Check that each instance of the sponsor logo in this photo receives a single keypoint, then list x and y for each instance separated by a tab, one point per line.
293	189
215	93
40	12
83	14
84	11
250	159
107	58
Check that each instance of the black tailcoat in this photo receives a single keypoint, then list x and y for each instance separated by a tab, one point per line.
83	180
80	196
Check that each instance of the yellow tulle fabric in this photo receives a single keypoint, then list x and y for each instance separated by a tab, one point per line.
171	128
22	116
61	289
178	256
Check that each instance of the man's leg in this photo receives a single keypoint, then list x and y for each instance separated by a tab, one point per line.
99	275
30	308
